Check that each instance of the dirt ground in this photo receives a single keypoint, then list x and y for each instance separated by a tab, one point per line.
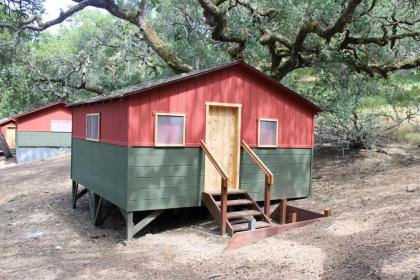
374	231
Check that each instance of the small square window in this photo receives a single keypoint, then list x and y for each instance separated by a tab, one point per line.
267	133
170	130
92	127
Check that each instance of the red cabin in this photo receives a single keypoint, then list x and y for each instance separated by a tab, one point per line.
178	142
39	134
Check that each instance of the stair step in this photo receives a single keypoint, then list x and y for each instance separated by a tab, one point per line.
237	202
244	226
244	213
230	191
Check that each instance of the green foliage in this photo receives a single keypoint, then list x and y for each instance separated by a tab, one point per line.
95	53
342	95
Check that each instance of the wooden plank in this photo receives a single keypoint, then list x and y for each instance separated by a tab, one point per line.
163	203
102	168
168	185
244	226
223	208
243	213
259	177
245	238
222	139
327	212
211	205
282	151
237	202
278	187
268	159
283	211
230	191
170	170
293	217
163	152
165	182
279	167
131	228
145	221
43	139
163	193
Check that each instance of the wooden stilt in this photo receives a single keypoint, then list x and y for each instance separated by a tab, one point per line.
133	229
283	211
293	217
75	194
327	212
74	187
267	195
223	207
95	203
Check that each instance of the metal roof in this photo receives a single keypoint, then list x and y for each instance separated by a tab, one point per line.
165	81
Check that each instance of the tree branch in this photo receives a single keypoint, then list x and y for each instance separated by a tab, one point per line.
381	41
137	18
217	19
385	69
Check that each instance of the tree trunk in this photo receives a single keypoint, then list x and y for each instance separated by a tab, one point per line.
6	149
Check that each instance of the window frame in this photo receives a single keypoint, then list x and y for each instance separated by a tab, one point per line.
259	134
183	129
71	126
99	126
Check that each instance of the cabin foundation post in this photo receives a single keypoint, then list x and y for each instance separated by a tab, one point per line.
293	217
95	203
75	194
132	228
327	212
283	211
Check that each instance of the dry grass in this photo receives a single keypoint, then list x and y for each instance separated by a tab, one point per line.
407	134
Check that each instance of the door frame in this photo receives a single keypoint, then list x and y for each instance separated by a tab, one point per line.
238	108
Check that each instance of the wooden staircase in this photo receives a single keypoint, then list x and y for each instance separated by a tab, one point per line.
243	213
235	210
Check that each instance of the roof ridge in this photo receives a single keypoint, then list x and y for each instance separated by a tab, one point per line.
135	89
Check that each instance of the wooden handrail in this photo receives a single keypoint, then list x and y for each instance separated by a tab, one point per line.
223	187
269	177
213	160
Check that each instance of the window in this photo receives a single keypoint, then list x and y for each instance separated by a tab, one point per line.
92	127
170	129
267	133
61	125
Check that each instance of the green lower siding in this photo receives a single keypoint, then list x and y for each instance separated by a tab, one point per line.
291	169
101	168
164	178
43	139
139	179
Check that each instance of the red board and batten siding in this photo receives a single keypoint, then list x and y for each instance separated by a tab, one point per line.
113	121
130	121
259	99
41	120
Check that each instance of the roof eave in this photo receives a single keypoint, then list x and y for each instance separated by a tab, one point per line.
316	108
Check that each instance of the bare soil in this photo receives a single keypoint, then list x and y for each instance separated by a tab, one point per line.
374	231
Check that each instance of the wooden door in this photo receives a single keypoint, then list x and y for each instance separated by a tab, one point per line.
11	137
223	139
